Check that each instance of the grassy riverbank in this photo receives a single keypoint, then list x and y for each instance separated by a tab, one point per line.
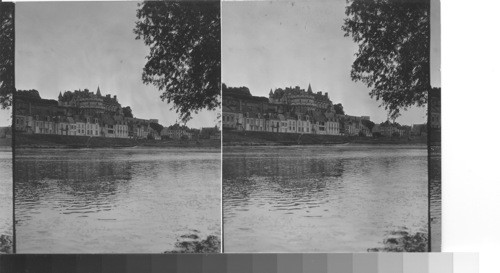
57	141
246	138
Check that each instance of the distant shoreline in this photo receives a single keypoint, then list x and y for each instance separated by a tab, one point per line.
250	138
24	141
319	144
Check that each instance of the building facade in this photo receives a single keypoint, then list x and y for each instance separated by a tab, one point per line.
289	110
78	113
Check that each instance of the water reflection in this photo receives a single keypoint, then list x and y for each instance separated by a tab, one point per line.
124	200
335	198
435	197
5	199
88	185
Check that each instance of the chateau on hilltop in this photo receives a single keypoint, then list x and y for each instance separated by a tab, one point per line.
78	113
300	100
89	102
289	110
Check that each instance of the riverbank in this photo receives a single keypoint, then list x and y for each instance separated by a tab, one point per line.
193	244
58	141
403	241
248	138
6	244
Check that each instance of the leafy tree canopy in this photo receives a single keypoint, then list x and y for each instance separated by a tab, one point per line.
184	58
368	123
393	54
30	94
127	112
339	109
243	90
6	54
157	127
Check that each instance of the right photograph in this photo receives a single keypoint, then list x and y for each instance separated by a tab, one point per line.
331	125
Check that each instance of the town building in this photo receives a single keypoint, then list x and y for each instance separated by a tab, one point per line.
177	132
388	129
210	133
419	130
300	100
289	110
77	113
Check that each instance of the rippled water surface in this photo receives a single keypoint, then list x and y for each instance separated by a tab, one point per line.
435	198
6	191
344	198
115	200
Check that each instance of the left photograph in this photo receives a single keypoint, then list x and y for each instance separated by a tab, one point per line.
117	143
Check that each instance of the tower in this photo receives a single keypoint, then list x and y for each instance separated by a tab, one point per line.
98	93
309	89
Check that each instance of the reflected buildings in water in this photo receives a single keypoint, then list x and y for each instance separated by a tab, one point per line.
88	183
321	199
115	200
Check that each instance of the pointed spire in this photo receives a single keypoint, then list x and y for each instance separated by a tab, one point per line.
271	93
309	89
60	95
98	93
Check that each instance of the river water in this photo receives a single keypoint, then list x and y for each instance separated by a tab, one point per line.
115	200
5	191
342	198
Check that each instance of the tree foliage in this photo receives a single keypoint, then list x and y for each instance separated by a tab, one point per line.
242	91
127	112
184	58
393	55
28	94
339	109
368	124
157	127
7	87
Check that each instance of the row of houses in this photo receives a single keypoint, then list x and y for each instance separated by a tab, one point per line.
96	126
34	115
316	115
289	110
317	123
179	132
388	131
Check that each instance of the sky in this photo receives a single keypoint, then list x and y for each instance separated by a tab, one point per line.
78	45
279	44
